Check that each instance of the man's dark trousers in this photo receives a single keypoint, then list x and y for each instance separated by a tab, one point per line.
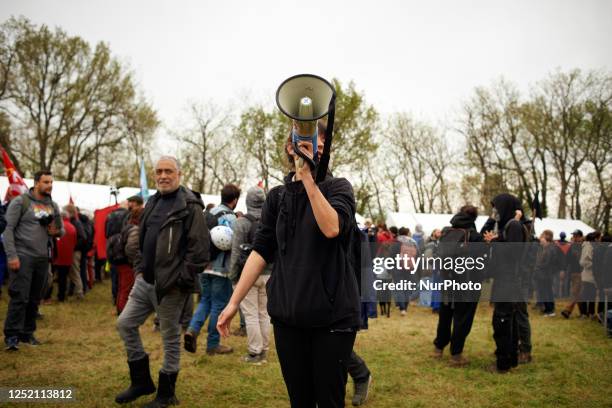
25	290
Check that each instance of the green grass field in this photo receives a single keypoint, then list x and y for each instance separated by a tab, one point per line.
572	364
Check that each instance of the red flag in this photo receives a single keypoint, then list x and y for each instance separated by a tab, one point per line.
16	184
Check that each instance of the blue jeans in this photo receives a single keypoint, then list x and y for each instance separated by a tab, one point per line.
216	292
436	296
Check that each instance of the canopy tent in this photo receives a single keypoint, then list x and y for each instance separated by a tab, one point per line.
429	222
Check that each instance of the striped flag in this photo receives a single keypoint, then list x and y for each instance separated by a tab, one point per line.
16	184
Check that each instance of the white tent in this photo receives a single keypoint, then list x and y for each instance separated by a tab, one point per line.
94	196
429	222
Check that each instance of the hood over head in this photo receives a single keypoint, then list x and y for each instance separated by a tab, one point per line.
255	199
506	206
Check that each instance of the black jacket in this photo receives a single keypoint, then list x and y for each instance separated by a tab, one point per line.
508	250
81	243
476	248
311	284
599	263
573	258
547	262
182	243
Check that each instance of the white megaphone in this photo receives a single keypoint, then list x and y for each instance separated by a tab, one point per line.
305	98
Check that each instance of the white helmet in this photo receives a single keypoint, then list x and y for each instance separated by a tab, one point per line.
221	236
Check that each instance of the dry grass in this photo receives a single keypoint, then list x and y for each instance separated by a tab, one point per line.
572	364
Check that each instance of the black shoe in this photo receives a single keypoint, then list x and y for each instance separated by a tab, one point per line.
12	343
29	339
190	341
142	383
565	314
165	392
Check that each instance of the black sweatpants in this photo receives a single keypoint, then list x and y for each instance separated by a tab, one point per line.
26	290
357	368
505	333
314	365
460	317
62	279
524	327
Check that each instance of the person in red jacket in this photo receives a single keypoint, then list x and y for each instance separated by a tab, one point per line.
383	235
62	260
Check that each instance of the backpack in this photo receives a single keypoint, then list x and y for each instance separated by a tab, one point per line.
453	242
115	246
81	234
115	222
245	248
212	220
89	233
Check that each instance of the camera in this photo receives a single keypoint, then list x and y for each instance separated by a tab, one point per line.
44	218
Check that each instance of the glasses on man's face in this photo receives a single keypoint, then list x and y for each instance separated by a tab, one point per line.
160	172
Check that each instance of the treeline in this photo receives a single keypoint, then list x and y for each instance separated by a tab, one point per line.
74	108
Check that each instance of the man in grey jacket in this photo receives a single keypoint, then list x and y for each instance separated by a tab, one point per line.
32	221
174	245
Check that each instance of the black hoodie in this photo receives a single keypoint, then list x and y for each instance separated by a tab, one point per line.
508	250
311	284
506	206
476	248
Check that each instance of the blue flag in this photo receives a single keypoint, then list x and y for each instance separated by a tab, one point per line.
144	187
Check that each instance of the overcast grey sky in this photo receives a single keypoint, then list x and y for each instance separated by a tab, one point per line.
419	56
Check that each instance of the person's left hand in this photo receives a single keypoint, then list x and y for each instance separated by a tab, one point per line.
225	319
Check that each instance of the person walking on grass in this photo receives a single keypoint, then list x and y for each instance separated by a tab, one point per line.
575	271
215	285
458	308
174	246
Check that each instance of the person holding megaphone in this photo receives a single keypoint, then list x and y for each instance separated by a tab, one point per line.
313	297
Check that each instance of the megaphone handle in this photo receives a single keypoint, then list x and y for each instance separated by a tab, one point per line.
303	158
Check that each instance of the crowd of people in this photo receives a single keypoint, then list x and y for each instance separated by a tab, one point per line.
529	270
261	265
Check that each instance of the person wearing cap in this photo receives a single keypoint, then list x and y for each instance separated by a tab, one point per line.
575	272
135	202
